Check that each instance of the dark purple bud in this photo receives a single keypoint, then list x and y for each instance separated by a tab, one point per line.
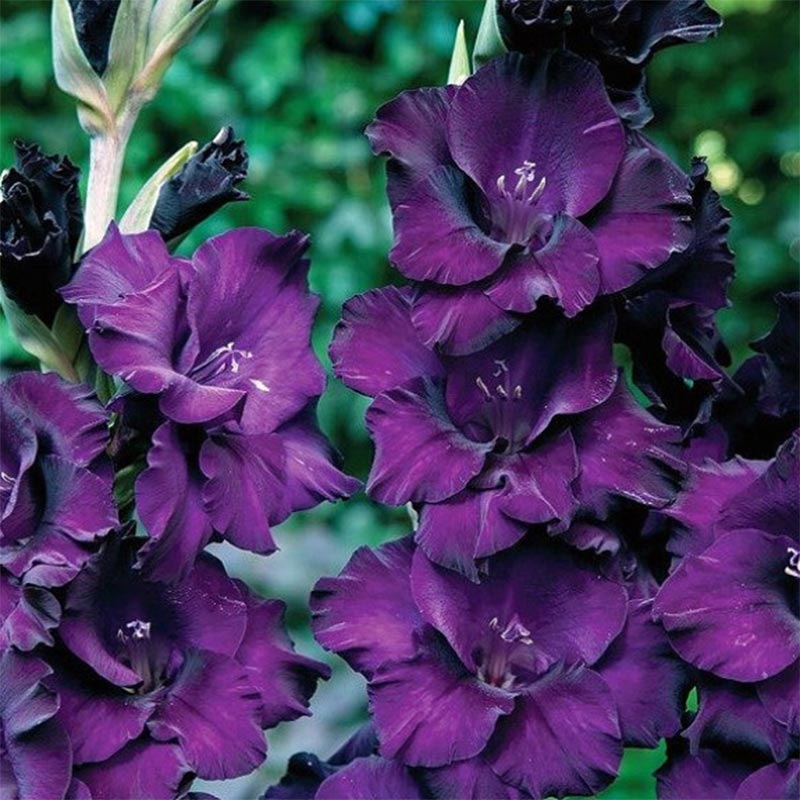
205	184
94	22
40	225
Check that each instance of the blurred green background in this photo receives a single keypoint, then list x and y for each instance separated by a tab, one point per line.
300	80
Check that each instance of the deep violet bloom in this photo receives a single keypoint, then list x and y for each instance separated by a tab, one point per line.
518	185
667	318
35	754
619	36
227	333
224	342
731	606
40	225
159	681
204	184
94	23
498	684
724	775
763	407
524	432
56	501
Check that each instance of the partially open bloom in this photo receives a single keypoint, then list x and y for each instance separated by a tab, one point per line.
499	684
171	680
40	226
523	432
55	482
518	185
620	36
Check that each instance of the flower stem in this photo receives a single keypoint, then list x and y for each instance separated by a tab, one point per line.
106	156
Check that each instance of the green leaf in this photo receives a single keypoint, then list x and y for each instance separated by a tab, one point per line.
126	49
163	51
459	62
488	42
38	340
74	74
137	216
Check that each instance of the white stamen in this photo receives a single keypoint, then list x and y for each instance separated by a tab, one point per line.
517	392
139	629
259	384
501	391
794	563
484	388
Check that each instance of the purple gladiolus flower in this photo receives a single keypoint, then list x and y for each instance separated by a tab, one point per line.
224	342
35	754
225	334
731	606
55	481
524	432
481	684
620	36
159	682
518	185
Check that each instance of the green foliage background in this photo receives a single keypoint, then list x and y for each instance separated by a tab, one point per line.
299	80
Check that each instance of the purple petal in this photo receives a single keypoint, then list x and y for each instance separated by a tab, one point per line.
412	433
553	111
411	129
729	610
213	710
563	737
436	235
78	508
169	499
645	218
367	615
781	699
36	754
28	614
452	532
648	681
459	320
772	782
142	769
371	778
731	716
571	613
564	268
374	347
624	451
471	779
244	489
66	417
708	774
250	289
430	711
115	268
285	679
99	717
708	489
